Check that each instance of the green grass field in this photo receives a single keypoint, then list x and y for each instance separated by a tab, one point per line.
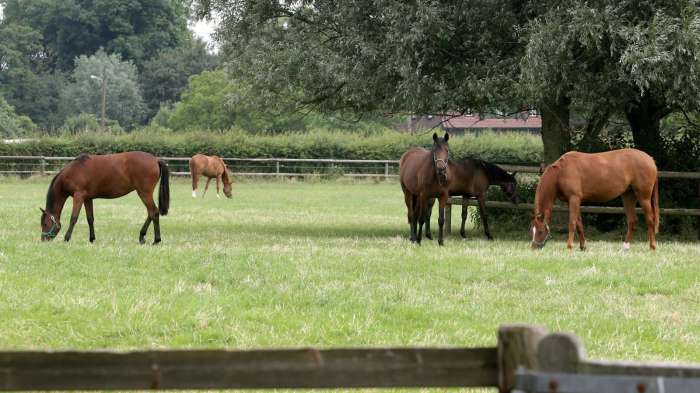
326	263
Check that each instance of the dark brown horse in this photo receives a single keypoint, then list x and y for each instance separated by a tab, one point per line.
471	178
106	176
211	167
579	177
424	174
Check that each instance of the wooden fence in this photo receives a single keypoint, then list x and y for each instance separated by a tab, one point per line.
526	359
289	167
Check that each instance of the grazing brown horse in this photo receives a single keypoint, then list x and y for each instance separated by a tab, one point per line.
471	178
211	167
580	177
424	174
106	176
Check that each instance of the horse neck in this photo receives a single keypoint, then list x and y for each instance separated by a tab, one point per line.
55	197
546	193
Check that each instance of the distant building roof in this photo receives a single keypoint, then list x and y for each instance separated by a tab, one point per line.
523	121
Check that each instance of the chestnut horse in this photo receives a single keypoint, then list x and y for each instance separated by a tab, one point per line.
471	177
106	176
580	177
211	167
424	175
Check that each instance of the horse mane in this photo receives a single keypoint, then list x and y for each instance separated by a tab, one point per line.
224	176
49	194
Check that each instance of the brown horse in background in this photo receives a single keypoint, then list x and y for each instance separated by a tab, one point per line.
471	177
106	176
580	177
424	175
211	167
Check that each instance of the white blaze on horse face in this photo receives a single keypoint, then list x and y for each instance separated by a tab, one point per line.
194	193
534	231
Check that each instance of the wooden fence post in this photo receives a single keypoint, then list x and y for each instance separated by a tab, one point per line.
386	171
517	346
42	166
277	165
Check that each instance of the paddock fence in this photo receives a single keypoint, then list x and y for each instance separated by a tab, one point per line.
299	167
526	359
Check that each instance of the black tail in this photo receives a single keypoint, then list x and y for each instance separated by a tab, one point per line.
164	193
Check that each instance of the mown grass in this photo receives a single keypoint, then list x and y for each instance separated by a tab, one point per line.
286	264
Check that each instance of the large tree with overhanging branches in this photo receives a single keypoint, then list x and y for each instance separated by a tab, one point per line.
603	58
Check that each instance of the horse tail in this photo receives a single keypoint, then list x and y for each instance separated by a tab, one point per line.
655	204
164	192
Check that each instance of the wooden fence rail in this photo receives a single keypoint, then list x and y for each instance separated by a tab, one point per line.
526	358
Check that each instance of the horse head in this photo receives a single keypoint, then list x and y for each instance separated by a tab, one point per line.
50	225
540	231
510	187
441	155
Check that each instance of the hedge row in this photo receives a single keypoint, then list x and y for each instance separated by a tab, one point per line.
383	144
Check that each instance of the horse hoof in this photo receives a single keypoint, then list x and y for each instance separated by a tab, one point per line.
489	238
142	241
440	243
157	241
428	236
92	240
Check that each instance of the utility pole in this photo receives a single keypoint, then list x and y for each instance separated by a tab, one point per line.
104	97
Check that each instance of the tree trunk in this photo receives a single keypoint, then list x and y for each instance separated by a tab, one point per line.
555	128
644	115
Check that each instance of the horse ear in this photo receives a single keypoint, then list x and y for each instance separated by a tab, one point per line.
435	137
42	211
447	136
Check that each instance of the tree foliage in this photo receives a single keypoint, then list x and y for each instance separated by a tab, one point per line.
11	124
123	96
165	76
136	29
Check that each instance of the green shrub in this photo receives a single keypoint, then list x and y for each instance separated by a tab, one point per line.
319	143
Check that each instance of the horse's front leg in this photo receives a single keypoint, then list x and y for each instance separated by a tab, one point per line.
574	214
484	219
428	214
218	180
90	219
441	218
77	204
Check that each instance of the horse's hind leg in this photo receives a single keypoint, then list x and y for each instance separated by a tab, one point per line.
90	219
649	217
484	219
206	187
629	200
153	215
465	215
579	231
77	204
195	182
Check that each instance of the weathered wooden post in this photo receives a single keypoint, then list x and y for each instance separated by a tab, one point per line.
386	171
42	165
517	346
277	165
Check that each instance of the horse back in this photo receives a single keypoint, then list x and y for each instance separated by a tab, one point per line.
599	177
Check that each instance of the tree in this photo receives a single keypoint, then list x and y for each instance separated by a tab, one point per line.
136	29
12	124
165	76
25	80
638	58
123	96
366	56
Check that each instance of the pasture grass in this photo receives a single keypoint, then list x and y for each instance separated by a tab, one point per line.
326	263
